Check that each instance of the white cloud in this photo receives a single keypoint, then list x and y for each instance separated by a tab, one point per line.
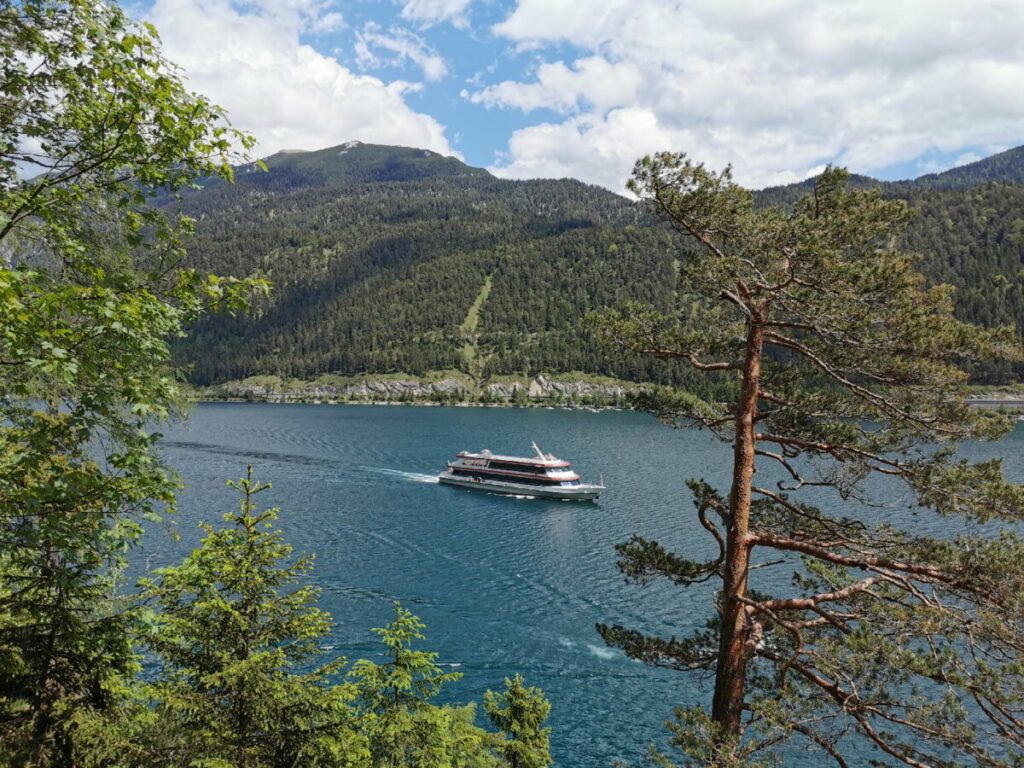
402	45
592	149
327	22
777	87
249	59
966	159
593	81
429	12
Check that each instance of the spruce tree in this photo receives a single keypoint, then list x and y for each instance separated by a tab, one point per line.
898	641
236	640
403	728
519	714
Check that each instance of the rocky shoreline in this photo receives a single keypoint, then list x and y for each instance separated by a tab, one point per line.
540	390
1000	400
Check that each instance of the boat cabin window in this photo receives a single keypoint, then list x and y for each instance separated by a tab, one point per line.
513	467
520	480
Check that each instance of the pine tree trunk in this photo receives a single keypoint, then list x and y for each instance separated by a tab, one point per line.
730	675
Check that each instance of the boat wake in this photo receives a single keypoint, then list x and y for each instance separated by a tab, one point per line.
604	653
416	477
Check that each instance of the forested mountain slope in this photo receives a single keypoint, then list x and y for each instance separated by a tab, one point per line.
378	253
390	259
1006	167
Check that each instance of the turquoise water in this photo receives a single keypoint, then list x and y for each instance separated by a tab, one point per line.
505	585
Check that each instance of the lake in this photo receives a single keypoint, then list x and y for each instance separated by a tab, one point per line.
504	585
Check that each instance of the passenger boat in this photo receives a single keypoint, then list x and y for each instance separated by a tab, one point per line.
541	475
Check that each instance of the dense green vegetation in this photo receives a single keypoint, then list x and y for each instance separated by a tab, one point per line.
380	276
92	290
390	259
1006	167
240	681
973	239
90	293
378	254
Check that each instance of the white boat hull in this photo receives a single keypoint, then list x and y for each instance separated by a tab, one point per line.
569	493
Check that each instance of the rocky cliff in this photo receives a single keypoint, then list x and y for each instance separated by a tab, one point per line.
449	388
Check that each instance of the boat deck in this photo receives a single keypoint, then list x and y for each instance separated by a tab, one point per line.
569	493
534	460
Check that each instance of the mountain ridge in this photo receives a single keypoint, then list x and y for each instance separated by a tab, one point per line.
366	163
1006	167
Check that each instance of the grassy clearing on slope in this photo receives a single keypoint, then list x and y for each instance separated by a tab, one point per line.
473	315
469	352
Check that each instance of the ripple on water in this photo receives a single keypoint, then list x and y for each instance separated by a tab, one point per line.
505	585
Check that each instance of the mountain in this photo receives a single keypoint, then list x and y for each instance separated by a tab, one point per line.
1006	168
358	163
391	259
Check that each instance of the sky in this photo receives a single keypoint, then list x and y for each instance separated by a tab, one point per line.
582	88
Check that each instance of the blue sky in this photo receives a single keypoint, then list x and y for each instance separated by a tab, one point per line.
471	55
582	88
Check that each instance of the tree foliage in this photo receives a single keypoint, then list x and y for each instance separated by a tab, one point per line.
236	636
93	123
365	268
402	726
894	639
97	135
519	714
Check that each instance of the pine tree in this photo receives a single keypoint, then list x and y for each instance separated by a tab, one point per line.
236	641
519	713
846	367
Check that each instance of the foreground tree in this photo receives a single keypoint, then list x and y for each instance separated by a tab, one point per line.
402	726
236	637
93	123
519	714
847	372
